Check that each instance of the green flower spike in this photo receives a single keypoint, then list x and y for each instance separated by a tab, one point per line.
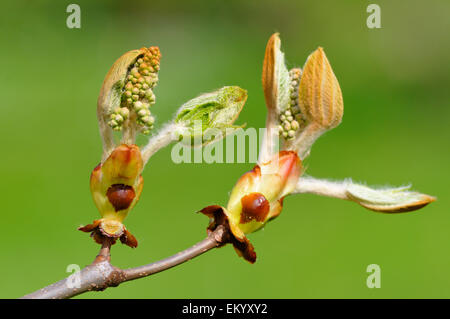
127	95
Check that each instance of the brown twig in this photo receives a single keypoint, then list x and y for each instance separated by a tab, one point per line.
101	274
105	252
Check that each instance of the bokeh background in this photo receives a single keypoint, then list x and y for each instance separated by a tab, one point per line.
395	81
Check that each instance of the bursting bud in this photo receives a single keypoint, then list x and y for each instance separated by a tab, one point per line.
197	118
256	198
116	185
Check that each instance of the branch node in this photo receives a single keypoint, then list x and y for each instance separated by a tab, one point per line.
221	235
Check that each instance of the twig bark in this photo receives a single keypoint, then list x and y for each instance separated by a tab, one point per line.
101	274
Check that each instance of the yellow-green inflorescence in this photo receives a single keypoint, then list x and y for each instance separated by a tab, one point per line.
291	118
138	93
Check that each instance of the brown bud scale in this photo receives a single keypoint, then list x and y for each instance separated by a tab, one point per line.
254	207
120	196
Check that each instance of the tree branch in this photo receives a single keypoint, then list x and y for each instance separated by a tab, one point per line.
101	274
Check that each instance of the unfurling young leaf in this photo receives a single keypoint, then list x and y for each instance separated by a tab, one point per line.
210	111
275	77
320	96
276	86
320	102
384	200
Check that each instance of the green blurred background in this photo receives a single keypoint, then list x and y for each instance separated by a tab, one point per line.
395	81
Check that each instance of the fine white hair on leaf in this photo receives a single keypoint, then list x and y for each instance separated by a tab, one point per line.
383	199
165	136
276	83
283	82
